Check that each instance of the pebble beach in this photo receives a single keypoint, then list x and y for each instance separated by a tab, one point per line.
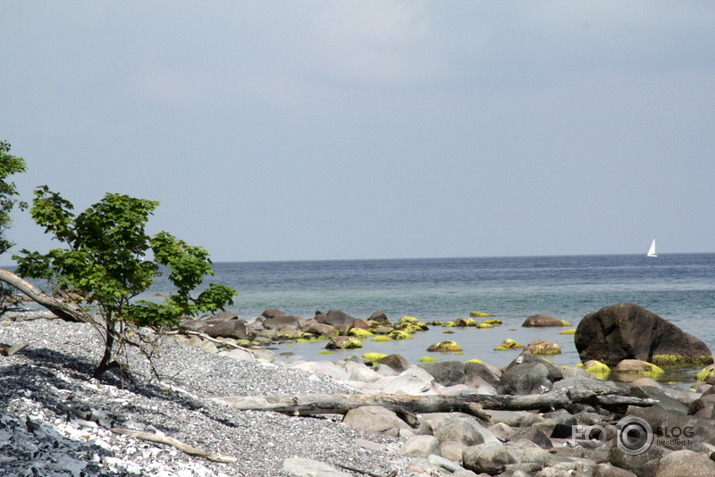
37	437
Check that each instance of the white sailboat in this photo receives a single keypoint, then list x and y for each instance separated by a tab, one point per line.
651	250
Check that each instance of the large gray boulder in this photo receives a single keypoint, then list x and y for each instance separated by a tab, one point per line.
528	374
446	373
628	331
375	419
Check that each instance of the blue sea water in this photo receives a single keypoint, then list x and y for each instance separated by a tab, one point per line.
678	287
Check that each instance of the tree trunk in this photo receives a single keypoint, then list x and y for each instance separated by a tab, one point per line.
308	404
64	310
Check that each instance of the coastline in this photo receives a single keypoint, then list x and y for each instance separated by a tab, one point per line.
51	374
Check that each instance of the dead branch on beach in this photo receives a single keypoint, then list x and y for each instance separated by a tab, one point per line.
473	404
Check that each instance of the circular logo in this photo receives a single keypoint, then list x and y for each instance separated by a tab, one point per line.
635	436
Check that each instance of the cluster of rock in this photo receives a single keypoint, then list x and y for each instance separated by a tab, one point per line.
539	442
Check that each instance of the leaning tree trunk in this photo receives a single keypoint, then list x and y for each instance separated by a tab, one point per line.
64	310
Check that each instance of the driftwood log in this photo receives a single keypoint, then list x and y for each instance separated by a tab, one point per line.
474	404
67	311
159	439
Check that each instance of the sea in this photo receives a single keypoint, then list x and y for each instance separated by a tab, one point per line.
677	287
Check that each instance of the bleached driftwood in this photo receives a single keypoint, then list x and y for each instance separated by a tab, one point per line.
474	404
151	437
65	310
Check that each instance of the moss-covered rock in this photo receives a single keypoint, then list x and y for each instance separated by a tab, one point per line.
676	360
448	324
374	358
344	342
410	324
705	373
543	347
448	331
508	344
360	333
478	361
381	338
479	314
428	359
400	335
638	366
445	347
596	368
493	321
483	326
464	322
570	331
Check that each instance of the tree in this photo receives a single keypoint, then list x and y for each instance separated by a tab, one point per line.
104	267
9	165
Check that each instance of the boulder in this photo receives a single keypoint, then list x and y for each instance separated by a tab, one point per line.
542	347
380	318
375	419
628	331
280	322
637	366
339	319
396	362
543	321
508	344
528	374
446	373
684	462
227	329
460	428
343	342
314	327
421	446
272	313
490	458
445	347
477	374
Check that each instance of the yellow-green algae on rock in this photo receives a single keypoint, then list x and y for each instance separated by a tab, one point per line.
400	335
676	360
445	346
705	373
571	331
479	314
360	333
428	359
596	368
493	321
483	326
543	347
352	344
374	357
644	368
478	361
380	338
508	344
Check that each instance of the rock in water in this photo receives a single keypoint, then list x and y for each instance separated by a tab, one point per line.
628	331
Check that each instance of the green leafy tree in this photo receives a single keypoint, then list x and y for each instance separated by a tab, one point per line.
103	265
9	165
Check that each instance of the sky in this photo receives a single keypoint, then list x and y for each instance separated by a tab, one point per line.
350	129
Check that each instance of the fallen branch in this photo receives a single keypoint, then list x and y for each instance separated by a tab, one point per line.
150	437
474	404
65	310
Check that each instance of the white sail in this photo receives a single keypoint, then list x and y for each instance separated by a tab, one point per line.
651	250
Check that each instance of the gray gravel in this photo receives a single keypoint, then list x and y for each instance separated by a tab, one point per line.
39	437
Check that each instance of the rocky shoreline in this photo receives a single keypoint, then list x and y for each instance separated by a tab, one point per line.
56	421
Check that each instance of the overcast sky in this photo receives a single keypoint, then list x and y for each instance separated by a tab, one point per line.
292	130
